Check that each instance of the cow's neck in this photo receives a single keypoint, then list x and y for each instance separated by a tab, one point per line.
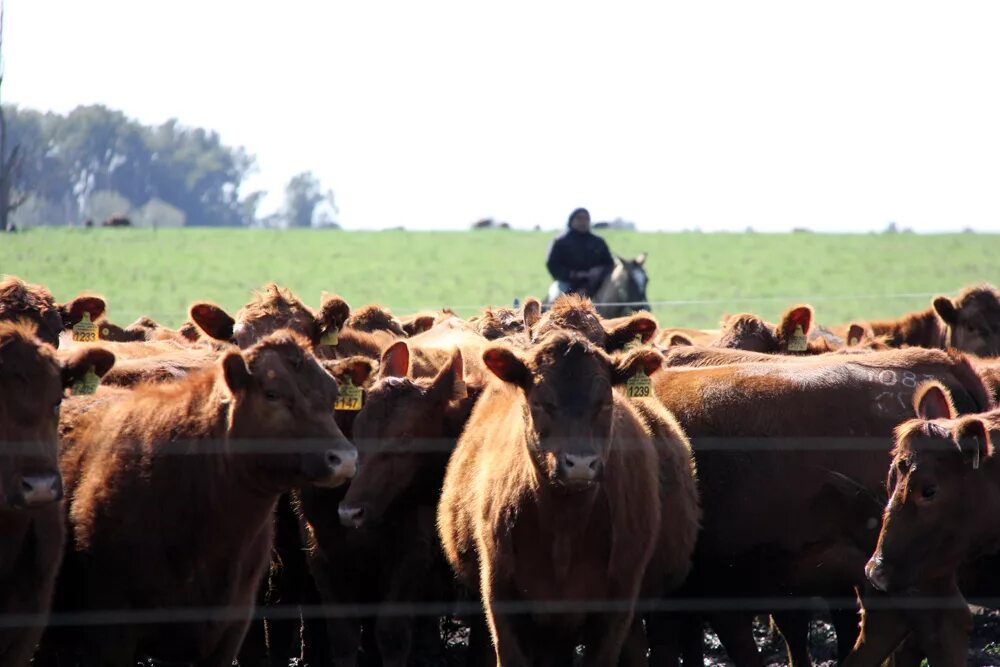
922	329
988	507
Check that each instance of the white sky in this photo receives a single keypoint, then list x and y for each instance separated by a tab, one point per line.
834	116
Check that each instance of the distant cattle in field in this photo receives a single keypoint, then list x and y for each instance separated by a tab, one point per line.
575	313
544	499
20	300
791	460
32	528
171	492
970	322
117	221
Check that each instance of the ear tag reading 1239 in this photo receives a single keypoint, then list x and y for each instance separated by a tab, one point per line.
85	331
331	337
87	384
798	342
349	398
638	386
634	343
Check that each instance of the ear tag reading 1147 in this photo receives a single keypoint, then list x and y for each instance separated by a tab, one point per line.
798	342
85	331
87	384
331	337
638	386
349	398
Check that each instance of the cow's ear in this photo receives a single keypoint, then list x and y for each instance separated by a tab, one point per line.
855	334
333	312
974	441
418	325
531	312
72	311
945	308
793	319
84	359
642	325
506	365
213	320
234	369
932	401
449	383
627	365
357	369
395	360
189	330
679	340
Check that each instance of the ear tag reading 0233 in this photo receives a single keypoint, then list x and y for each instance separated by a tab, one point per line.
85	331
349	398
331	337
638	386
87	384
798	342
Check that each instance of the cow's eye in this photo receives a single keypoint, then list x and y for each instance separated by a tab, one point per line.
928	492
271	395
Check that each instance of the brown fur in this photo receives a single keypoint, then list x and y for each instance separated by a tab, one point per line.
20	300
32	382
571	312
153	480
374	318
510	530
751	333
808	440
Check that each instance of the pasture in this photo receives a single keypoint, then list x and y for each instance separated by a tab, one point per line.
160	272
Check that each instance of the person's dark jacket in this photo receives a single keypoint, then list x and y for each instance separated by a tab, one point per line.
573	253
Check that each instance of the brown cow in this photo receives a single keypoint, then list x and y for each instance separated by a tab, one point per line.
789	336
576	313
807	442
544	500
19	300
32	528
944	483
496	323
420	322
970	323
372	318
171	492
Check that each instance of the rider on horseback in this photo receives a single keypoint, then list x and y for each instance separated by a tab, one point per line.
578	260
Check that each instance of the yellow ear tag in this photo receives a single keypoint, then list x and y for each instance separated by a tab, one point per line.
331	337
634	343
852	342
87	384
349	398
638	386
85	331
798	342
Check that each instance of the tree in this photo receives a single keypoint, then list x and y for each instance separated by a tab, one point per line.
303	196
10	198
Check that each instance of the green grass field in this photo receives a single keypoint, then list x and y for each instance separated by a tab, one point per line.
159	273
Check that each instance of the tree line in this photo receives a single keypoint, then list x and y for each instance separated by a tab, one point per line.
95	162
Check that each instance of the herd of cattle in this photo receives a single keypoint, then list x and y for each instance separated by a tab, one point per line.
604	483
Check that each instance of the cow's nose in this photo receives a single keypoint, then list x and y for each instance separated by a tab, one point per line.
343	463
581	468
352	516
876	572
40	489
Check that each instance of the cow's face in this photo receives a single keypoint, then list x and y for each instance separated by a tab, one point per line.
568	383
400	438
973	321
32	383
934	482
282	422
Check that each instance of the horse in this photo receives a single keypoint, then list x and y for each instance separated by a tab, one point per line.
625	284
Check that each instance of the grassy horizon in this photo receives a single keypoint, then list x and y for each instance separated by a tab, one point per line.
161	272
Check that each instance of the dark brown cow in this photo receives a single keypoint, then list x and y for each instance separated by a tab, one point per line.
807	442
944	483
970	322
544	500
575	313
171	492
19	300
789	336
32	528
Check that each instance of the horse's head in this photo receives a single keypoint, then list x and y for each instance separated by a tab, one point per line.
632	286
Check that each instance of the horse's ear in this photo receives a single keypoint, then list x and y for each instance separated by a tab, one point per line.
641	259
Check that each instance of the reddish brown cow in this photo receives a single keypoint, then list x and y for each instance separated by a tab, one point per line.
233	437
970	322
32	529
945	493
807	442
19	300
790	336
422	321
544	501
496	323
570	312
